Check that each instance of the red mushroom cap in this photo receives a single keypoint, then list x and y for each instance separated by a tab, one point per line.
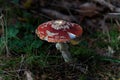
58	31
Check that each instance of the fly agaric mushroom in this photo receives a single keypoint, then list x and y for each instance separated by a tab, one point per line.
59	32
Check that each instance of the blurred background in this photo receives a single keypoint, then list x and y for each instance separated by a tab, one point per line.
23	54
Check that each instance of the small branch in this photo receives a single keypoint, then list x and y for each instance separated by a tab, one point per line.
19	70
22	61
49	12
104	3
110	6
56	14
112	15
31	11
118	24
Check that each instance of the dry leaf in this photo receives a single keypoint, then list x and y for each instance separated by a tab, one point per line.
88	9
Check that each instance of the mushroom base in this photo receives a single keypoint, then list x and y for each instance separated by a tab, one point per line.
63	47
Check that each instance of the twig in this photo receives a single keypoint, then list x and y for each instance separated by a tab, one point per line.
31	11
19	70
22	61
21	65
80	67
56	14
112	15
110	6
2	64
1	16
70	12
117	23
10	73
104	3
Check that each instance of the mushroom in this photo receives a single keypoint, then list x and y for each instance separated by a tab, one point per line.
59	32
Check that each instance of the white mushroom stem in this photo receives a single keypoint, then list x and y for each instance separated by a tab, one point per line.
63	47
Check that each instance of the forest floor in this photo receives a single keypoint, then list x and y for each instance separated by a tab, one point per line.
23	56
